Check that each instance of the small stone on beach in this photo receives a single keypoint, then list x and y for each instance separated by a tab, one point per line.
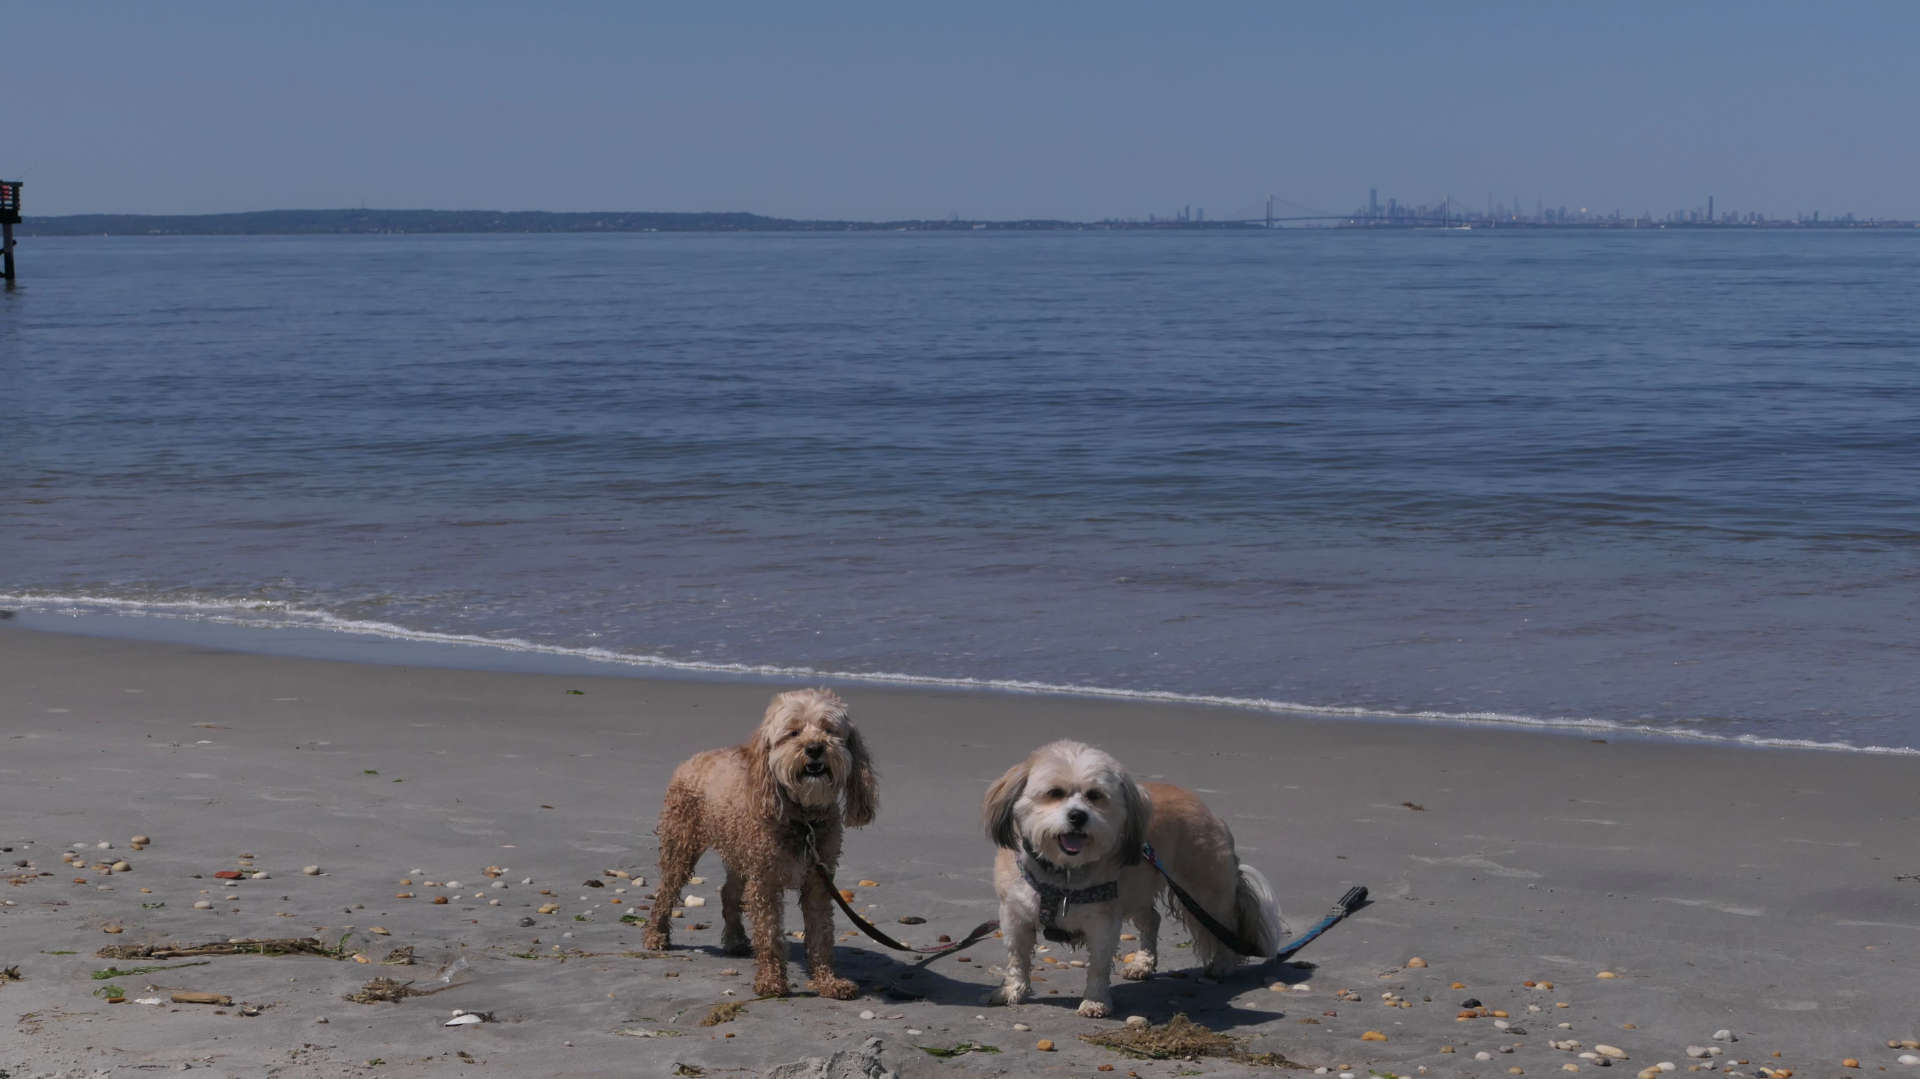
310	870
203	904
1416	962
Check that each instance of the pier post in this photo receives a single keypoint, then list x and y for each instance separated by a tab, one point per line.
9	217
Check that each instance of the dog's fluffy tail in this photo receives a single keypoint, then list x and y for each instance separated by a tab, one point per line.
1256	913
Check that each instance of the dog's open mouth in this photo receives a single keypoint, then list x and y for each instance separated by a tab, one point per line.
1073	842
815	770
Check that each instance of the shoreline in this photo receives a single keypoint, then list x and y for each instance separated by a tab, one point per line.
1772	894
330	638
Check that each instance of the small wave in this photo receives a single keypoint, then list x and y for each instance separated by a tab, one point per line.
275	614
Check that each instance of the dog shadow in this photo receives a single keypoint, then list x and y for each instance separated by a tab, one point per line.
1159	998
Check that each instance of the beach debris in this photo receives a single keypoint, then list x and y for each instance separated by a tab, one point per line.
695	901
1021	1027
140	841
956	1050
122	866
724	1012
1045	1045
383	991
1415	806
1416	962
1850	1062
1181	1037
1612	1052
194	997
1373	1036
10	974
911	919
1724	1035
1606	974
399	957
464	1018
1908	1059
227	874
203	904
240	946
310	870
380	931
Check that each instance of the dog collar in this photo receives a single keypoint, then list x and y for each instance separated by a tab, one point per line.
1054	900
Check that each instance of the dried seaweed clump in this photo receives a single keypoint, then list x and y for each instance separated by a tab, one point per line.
724	1012
280	946
382	991
1180	1038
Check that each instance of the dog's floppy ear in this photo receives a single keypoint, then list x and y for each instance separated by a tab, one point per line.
863	793
998	811
760	779
1139	813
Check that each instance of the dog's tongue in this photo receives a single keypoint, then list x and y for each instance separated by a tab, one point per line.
1072	843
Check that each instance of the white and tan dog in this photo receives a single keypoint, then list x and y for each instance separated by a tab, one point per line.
770	806
1070	822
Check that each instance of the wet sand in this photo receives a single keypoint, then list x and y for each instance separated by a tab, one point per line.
1772	894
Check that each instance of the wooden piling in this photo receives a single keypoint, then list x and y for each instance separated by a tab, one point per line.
9	217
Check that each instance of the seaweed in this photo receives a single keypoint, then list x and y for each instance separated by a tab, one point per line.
1181	1038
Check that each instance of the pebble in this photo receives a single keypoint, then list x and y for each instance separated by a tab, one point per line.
1606	974
121	866
1483	1055
143	840
1373	1036
696	901
310	870
912	1030
1909	1059
867	1014
527	923
1613	1051
501	884
203	904
1021	1026
547	908
1416	961
1850	1062
1045	1045
1569	1067
1137	1021
1724	1035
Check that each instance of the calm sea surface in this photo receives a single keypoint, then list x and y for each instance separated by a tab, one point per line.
1652	480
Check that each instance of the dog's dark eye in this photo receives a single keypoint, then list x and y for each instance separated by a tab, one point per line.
1094	796
1056	794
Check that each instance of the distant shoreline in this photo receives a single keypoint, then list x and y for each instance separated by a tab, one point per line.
443	222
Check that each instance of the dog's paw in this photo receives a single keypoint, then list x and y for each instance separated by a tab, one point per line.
769	985
1009	994
1095	1009
656	940
837	988
736	945
1137	969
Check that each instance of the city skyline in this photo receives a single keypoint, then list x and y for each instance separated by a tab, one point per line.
991	111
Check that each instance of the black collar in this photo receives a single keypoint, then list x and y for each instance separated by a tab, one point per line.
1055	898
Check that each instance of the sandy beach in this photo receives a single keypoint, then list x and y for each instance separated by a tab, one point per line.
1634	894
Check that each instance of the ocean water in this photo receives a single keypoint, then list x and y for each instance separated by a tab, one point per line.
1665	482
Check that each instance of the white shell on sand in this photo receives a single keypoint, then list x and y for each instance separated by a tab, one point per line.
203	904
310	870
1613	1051
463	1020
1909	1059
696	901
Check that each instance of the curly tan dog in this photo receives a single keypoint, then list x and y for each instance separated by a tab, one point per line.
759	805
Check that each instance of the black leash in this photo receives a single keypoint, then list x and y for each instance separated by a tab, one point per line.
1353	900
931	951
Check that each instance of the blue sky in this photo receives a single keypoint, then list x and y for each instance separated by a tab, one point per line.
984	109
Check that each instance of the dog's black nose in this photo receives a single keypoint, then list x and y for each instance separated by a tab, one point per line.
814	751
1077	817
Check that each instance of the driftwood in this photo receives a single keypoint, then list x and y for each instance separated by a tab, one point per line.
203	998
282	946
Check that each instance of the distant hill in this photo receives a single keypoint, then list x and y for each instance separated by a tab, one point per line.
345	222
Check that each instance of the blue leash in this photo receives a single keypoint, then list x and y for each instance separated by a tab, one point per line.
1354	899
